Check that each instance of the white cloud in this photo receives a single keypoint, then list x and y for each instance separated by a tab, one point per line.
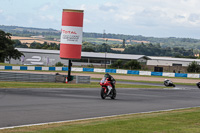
108	7
194	17
10	18
87	20
47	17
83	7
45	7
171	12
116	16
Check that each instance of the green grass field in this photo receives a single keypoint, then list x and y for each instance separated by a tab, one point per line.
177	121
8	84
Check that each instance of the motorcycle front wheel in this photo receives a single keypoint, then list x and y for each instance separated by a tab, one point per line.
103	94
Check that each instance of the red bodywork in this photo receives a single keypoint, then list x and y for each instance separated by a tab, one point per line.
104	83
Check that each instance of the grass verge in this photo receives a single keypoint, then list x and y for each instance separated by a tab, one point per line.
7	84
141	81
177	121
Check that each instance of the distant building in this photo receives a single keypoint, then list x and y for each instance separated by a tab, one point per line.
169	64
169	61
51	57
40	37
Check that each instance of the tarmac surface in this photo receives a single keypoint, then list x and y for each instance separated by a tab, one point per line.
22	106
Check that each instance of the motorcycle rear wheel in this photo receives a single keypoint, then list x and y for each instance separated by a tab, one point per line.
103	94
114	93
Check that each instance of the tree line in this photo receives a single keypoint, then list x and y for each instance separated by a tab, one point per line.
187	43
7	49
139	49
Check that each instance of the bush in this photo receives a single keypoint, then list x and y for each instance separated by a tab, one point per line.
59	64
91	65
133	64
117	64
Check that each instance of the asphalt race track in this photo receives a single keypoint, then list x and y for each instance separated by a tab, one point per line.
33	105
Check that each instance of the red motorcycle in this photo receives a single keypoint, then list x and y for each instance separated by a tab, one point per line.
107	90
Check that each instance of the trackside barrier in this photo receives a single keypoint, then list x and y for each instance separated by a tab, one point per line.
83	79
180	75
169	74
33	77
99	70
88	69
156	73
133	72
110	70
193	75
27	77
145	73
77	69
121	71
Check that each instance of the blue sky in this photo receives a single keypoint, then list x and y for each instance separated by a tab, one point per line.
156	18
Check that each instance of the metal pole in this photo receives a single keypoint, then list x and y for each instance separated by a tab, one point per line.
105	47
105	52
105	59
69	70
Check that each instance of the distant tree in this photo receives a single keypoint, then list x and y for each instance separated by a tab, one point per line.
193	67
18	44
7	50
88	49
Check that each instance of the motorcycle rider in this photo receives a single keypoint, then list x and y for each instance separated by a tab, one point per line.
110	78
167	81
198	85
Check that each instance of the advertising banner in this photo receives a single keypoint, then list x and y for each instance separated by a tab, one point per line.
71	34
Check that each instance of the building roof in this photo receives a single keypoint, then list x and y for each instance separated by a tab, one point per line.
88	54
38	51
112	56
173	59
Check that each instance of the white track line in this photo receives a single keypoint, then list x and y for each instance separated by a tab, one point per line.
76	120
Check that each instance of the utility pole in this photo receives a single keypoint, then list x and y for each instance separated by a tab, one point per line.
105	41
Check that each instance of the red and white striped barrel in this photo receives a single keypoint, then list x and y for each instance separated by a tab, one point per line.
71	36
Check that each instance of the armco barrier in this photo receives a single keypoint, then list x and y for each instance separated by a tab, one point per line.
156	73
110	70
168	74
27	77
77	69
88	69
193	76
180	75
133	72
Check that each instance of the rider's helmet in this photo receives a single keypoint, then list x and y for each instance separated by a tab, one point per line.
166	79
107	75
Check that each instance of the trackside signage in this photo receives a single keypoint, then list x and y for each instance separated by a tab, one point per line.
71	34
